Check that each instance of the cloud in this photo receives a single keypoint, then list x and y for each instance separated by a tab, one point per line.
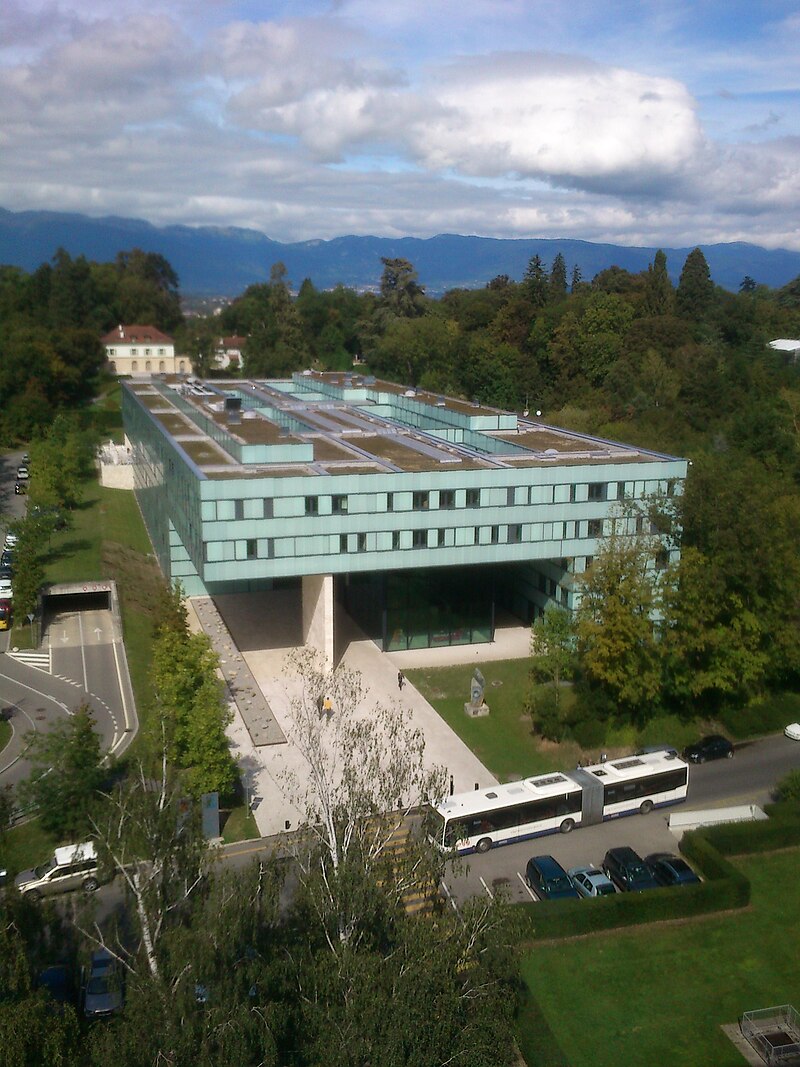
559	118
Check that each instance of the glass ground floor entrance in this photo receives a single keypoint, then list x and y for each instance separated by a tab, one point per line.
423	608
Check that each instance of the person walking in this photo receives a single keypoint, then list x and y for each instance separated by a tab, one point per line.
400	680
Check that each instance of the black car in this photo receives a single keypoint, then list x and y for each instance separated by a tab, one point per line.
628	871
6	570
7	558
670	870
715	746
548	879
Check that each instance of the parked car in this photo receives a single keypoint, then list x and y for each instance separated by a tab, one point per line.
6	592
22	474
11	540
548	879
20	488
715	746
793	731
591	882
7	557
670	870
103	992
628	871
70	867
6	571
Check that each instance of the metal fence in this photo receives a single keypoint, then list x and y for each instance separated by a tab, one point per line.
774	1033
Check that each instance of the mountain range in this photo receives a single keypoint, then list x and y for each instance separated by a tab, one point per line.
223	261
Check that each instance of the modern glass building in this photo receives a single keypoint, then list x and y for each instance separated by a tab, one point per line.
421	514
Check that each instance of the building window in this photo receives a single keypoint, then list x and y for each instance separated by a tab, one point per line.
588	562
395	539
594	528
447	498
564	598
339	505
161	352
473	498
420	539
510	496
147	365
252	548
476	535
162	365
268	514
620	490
390	501
598	491
148	351
671	487
420	501
238	509
342	542
640	525
112	351
362	542
312	505
515	533
495	534
573	494
662	559
440	538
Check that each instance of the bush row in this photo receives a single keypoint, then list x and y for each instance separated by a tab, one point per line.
782	830
762	717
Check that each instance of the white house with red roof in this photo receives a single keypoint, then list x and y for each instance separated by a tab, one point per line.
142	351
228	353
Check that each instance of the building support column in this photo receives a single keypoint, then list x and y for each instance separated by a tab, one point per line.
318	615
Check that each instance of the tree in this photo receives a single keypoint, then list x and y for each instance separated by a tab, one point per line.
401	294
66	775
789	787
659	297
535	282
695	294
557	284
617	641
577	279
553	645
365	774
747	285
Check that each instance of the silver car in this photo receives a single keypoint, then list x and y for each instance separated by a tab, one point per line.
70	867
591	882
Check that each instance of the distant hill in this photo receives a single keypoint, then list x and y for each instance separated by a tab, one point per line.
224	261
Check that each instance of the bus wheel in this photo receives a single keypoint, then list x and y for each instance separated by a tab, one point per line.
484	844
646	807
567	825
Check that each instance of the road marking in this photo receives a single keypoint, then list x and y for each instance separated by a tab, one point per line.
449	896
38	692
83	652
527	888
485	886
19	755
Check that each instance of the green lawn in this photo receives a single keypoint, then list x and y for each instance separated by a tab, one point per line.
503	740
239	825
25	846
660	994
5	734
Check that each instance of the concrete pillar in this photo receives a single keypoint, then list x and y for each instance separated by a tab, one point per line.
318	614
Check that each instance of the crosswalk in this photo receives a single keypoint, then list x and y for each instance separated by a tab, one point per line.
41	660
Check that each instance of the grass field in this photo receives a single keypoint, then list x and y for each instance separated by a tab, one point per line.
5	734
660	994
503	740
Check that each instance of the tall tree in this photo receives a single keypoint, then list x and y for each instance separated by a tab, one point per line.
695	294
553	646
401	293
659	297
535	282
66	775
557	284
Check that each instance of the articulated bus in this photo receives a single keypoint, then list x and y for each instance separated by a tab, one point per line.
558	802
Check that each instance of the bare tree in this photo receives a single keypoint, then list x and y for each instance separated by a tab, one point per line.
364	778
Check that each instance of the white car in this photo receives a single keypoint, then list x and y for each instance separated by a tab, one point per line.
793	731
11	540
591	882
5	588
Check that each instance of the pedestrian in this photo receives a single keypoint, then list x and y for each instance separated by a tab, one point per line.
327	707
400	680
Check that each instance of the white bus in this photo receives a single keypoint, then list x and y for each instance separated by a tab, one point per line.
547	803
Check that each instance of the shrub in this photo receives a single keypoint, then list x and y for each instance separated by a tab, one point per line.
764	716
789	787
667	730
589	733
543	708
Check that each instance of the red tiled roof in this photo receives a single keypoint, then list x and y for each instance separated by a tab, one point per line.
135	334
232	342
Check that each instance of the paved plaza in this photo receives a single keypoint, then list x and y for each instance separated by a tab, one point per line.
258	633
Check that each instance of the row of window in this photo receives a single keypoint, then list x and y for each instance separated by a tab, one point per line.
135	352
162	366
421	499
444	537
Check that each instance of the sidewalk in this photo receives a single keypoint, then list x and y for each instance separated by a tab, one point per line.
263	767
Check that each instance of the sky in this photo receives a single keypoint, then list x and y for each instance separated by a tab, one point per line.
639	123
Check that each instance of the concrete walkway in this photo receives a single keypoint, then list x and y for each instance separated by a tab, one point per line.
264	768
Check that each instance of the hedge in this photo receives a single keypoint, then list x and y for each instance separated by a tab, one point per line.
761	717
781	830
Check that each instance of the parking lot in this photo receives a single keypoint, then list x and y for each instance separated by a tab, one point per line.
502	869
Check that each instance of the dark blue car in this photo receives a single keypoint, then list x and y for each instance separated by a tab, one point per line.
670	870
548	879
